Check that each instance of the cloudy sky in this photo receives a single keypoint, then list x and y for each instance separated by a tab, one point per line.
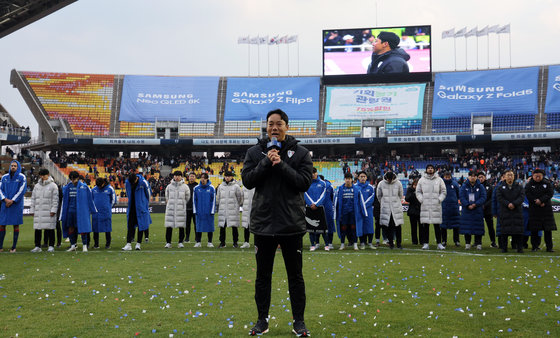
187	37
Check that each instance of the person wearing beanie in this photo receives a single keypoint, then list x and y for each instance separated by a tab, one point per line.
390	194
539	191
387	57
430	192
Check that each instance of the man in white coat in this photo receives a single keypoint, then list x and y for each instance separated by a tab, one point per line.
44	205
246	215
177	194
229	199
390	195
430	192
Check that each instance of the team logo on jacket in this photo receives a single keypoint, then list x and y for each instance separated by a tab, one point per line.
291	153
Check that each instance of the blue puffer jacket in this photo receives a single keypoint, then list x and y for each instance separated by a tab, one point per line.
204	206
451	217
84	205
472	221
12	187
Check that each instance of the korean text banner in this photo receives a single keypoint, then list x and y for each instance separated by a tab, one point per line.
502	91
169	98
379	102
250	99
553	90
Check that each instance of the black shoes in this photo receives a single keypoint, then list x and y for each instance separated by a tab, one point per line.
300	330
260	328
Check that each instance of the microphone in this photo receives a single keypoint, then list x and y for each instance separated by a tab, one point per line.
273	144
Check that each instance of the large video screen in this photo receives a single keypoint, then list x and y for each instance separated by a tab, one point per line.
377	55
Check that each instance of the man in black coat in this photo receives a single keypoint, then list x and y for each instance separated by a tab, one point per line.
510	196
281	172
387	57
539	192
488	208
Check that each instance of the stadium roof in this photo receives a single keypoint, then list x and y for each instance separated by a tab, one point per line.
16	14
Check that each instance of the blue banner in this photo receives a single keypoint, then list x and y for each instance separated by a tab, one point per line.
553	90
250	99
498	91
169	98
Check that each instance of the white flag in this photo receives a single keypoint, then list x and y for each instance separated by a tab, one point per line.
504	29
273	40
482	32
243	40
461	32
283	39
292	38
263	40
254	40
448	33
493	29
472	32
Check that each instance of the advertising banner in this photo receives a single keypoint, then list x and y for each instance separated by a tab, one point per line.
250	99
552	104
501	90
169	98
379	102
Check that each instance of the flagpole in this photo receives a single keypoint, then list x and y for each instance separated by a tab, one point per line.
258	56
297	56
499	47
477	49
288	44
455	51
466	57
278	45
268	55
249	56
509	34
488	51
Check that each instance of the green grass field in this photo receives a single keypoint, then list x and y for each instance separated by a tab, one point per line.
209	292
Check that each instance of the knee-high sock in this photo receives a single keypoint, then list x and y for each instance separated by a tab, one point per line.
16	236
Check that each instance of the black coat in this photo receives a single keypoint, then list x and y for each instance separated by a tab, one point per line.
540	218
278	203
413	204
511	221
488	203
376	208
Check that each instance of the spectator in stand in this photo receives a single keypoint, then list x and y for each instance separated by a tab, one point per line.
75	214
510	197
451	216
364	222
539	192
104	198
430	192
177	195
413	210
229	199
204	204
12	188
44	205
488	208
190	215
473	197
138	211
345	211
329	212
390	194
246	215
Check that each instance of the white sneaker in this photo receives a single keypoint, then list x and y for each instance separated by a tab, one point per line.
36	249
127	247
84	248
50	249
147	240
137	246
72	248
479	247
363	246
341	246
385	241
180	245
467	246
245	245
210	245
327	248
426	246
331	246
197	245
356	246
168	246
370	245
440	247
67	240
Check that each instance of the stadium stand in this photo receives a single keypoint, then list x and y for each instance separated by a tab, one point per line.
451	125
513	122
344	128
403	127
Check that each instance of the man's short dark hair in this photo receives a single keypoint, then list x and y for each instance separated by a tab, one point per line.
348	175
280	112
391	38
481	173
538	171
362	172
73	175
314	170
228	173
473	173
43	171
177	173
204	175
132	177
192	173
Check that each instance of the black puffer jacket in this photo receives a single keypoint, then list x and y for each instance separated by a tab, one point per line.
488	203
393	61
540	218
511	221
413	204
278	203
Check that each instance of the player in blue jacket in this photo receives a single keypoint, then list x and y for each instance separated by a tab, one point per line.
76	210
138	211
329	211
472	197
364	218
12	188
346	207
204	206
315	197
104	198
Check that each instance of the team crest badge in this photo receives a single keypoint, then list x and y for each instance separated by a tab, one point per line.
291	153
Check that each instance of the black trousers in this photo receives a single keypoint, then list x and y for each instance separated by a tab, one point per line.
395	232
425	233
477	239
348	230
169	234
536	240
265	250
190	216
49	237
246	234
198	237
234	231
490	225
444	235
131	231
517	242
414	226
96	239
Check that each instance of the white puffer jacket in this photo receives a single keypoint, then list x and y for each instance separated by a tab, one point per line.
177	194
430	192
390	198
247	204
229	199
44	200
